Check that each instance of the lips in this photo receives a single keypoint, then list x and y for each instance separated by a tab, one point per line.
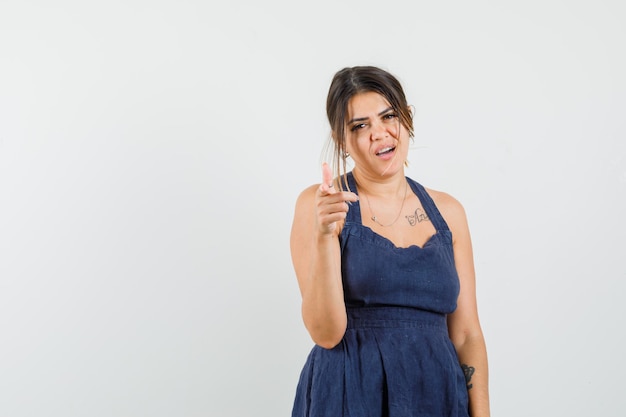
385	150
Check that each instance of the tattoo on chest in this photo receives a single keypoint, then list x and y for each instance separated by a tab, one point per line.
419	216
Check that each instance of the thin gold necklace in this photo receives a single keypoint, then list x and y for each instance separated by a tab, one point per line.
375	220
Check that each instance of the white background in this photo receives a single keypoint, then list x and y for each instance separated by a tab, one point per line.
151	153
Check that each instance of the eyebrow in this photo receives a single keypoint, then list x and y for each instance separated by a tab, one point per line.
360	119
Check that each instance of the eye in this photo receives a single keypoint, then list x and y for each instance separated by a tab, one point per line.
389	116
356	127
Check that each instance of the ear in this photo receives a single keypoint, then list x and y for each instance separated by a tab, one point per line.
412	110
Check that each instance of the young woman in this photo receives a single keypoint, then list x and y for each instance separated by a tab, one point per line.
385	270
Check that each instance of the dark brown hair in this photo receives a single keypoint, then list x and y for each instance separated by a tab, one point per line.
351	81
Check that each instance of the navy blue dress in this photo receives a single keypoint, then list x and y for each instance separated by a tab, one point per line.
396	358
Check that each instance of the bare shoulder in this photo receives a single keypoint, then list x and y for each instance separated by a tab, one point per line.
445	202
306	196
450	208
304	210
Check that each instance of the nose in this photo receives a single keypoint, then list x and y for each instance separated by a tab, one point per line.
378	131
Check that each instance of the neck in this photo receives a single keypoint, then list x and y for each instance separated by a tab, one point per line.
388	187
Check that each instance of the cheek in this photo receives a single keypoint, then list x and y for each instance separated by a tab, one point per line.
396	130
356	141
403	139
403	134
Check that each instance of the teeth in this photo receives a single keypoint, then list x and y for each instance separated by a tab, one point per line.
385	150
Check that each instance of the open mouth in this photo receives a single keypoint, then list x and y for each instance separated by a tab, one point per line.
386	151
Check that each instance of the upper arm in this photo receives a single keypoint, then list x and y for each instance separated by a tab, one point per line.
301	233
464	321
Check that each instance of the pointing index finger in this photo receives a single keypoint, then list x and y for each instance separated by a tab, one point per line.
327	177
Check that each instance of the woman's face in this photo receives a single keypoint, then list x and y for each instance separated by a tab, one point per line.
375	138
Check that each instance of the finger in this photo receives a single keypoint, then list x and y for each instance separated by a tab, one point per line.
335	203
349	197
327	177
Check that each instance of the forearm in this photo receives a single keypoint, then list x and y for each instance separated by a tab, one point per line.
473	359
323	307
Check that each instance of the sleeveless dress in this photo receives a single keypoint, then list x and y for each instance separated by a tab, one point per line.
396	358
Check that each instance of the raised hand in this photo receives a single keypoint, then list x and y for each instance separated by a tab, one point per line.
331	205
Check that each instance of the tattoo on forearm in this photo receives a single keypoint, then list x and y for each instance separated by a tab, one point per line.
468	371
418	217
